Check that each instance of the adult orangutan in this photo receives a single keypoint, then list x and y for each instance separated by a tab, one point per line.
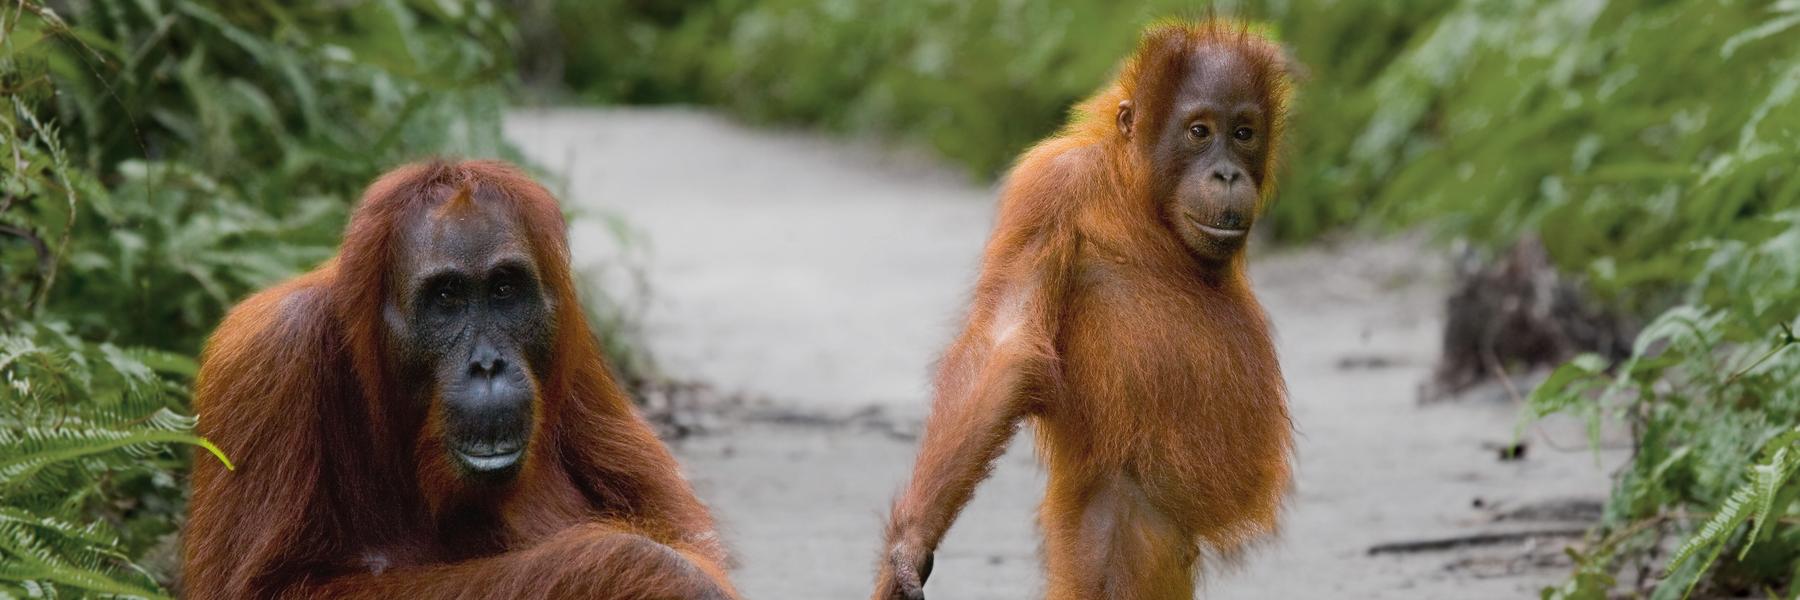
428	416
1114	313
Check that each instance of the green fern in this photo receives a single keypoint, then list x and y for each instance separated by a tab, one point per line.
1755	500
34	448
1711	391
72	414
164	158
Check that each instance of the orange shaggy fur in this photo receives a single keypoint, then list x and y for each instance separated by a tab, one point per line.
1149	376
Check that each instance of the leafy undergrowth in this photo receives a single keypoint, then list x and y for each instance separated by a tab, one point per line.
1711	394
163	159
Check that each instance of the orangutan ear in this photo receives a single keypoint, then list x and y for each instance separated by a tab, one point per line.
1125	114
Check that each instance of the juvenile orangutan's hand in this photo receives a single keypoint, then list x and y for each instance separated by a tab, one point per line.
903	573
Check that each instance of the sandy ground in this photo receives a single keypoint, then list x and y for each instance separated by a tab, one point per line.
822	278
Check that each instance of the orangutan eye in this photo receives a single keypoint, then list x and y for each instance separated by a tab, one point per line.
503	291
447	296
1243	134
1199	131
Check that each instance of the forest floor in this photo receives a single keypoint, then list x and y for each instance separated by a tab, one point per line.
812	282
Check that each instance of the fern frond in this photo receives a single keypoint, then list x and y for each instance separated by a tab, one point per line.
1754	499
1715	533
39	447
73	577
1769	477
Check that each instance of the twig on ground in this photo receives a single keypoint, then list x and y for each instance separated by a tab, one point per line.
1477	539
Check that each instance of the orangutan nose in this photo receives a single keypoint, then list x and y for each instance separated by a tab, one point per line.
1228	174
486	363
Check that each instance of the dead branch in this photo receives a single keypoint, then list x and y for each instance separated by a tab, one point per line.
1477	539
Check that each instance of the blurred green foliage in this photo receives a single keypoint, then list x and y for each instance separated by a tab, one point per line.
977	81
165	157
1602	123
1711	395
1649	143
220	144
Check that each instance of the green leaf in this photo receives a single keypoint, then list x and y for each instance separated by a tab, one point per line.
41	448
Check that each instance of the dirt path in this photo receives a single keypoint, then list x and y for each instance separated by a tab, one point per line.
824	277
